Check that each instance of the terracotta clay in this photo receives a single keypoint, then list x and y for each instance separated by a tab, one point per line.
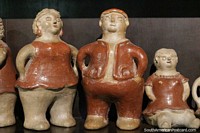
47	76
7	83
168	91
112	75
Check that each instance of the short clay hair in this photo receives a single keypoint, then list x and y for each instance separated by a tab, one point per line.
1	29
39	15
164	51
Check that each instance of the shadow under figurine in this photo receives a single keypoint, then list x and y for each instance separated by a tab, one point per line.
7	83
168	91
113	75
47	76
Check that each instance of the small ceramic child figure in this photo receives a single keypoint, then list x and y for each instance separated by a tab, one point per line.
7	83
168	91
114	74
47	76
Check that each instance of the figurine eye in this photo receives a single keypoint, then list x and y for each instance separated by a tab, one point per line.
48	18
58	20
106	17
119	18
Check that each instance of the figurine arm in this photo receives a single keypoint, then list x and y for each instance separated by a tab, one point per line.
194	91
186	91
82	54
74	52
22	56
3	53
142	60
149	92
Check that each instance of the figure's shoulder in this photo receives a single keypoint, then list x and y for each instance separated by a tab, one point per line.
90	45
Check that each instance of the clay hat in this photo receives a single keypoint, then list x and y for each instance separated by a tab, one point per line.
114	10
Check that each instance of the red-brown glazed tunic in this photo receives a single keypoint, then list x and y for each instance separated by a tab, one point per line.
122	90
168	91
125	57
7	73
50	67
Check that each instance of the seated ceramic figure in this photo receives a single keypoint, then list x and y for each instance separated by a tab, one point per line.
47	76
113	75
7	83
168	91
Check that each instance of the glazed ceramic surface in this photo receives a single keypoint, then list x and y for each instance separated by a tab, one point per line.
47	76
113	75
7	83
168	91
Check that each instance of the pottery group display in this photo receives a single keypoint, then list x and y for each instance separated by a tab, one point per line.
111	73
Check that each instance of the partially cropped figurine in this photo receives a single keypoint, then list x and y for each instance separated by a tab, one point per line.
47	76
113	75
7	83
195	95
168	91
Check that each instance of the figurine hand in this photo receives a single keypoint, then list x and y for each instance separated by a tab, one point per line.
22	76
138	79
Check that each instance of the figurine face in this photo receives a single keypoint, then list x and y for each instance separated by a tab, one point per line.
166	60
50	23
113	22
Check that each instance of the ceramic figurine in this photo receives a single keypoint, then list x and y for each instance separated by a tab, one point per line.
7	83
168	91
47	76
195	96
113	75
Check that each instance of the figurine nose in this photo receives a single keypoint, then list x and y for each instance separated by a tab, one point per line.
112	18
169	58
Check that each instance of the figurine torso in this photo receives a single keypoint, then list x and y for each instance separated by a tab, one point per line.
7	73
50	67
115	63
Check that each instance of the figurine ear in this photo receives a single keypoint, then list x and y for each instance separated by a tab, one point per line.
61	32
100	23
156	60
127	22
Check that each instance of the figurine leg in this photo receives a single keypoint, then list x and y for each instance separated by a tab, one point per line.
35	103
129	107
97	110
192	121
7	105
61	111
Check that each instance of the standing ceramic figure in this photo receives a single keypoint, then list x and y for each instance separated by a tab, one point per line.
7	83
47	75
168	91
112	75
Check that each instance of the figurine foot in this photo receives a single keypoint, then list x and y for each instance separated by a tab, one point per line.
95	122
63	121
37	124
194	124
197	113
7	120
128	123
164	125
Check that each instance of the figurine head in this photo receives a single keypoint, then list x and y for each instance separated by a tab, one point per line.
1	29
165	59
114	20
47	20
